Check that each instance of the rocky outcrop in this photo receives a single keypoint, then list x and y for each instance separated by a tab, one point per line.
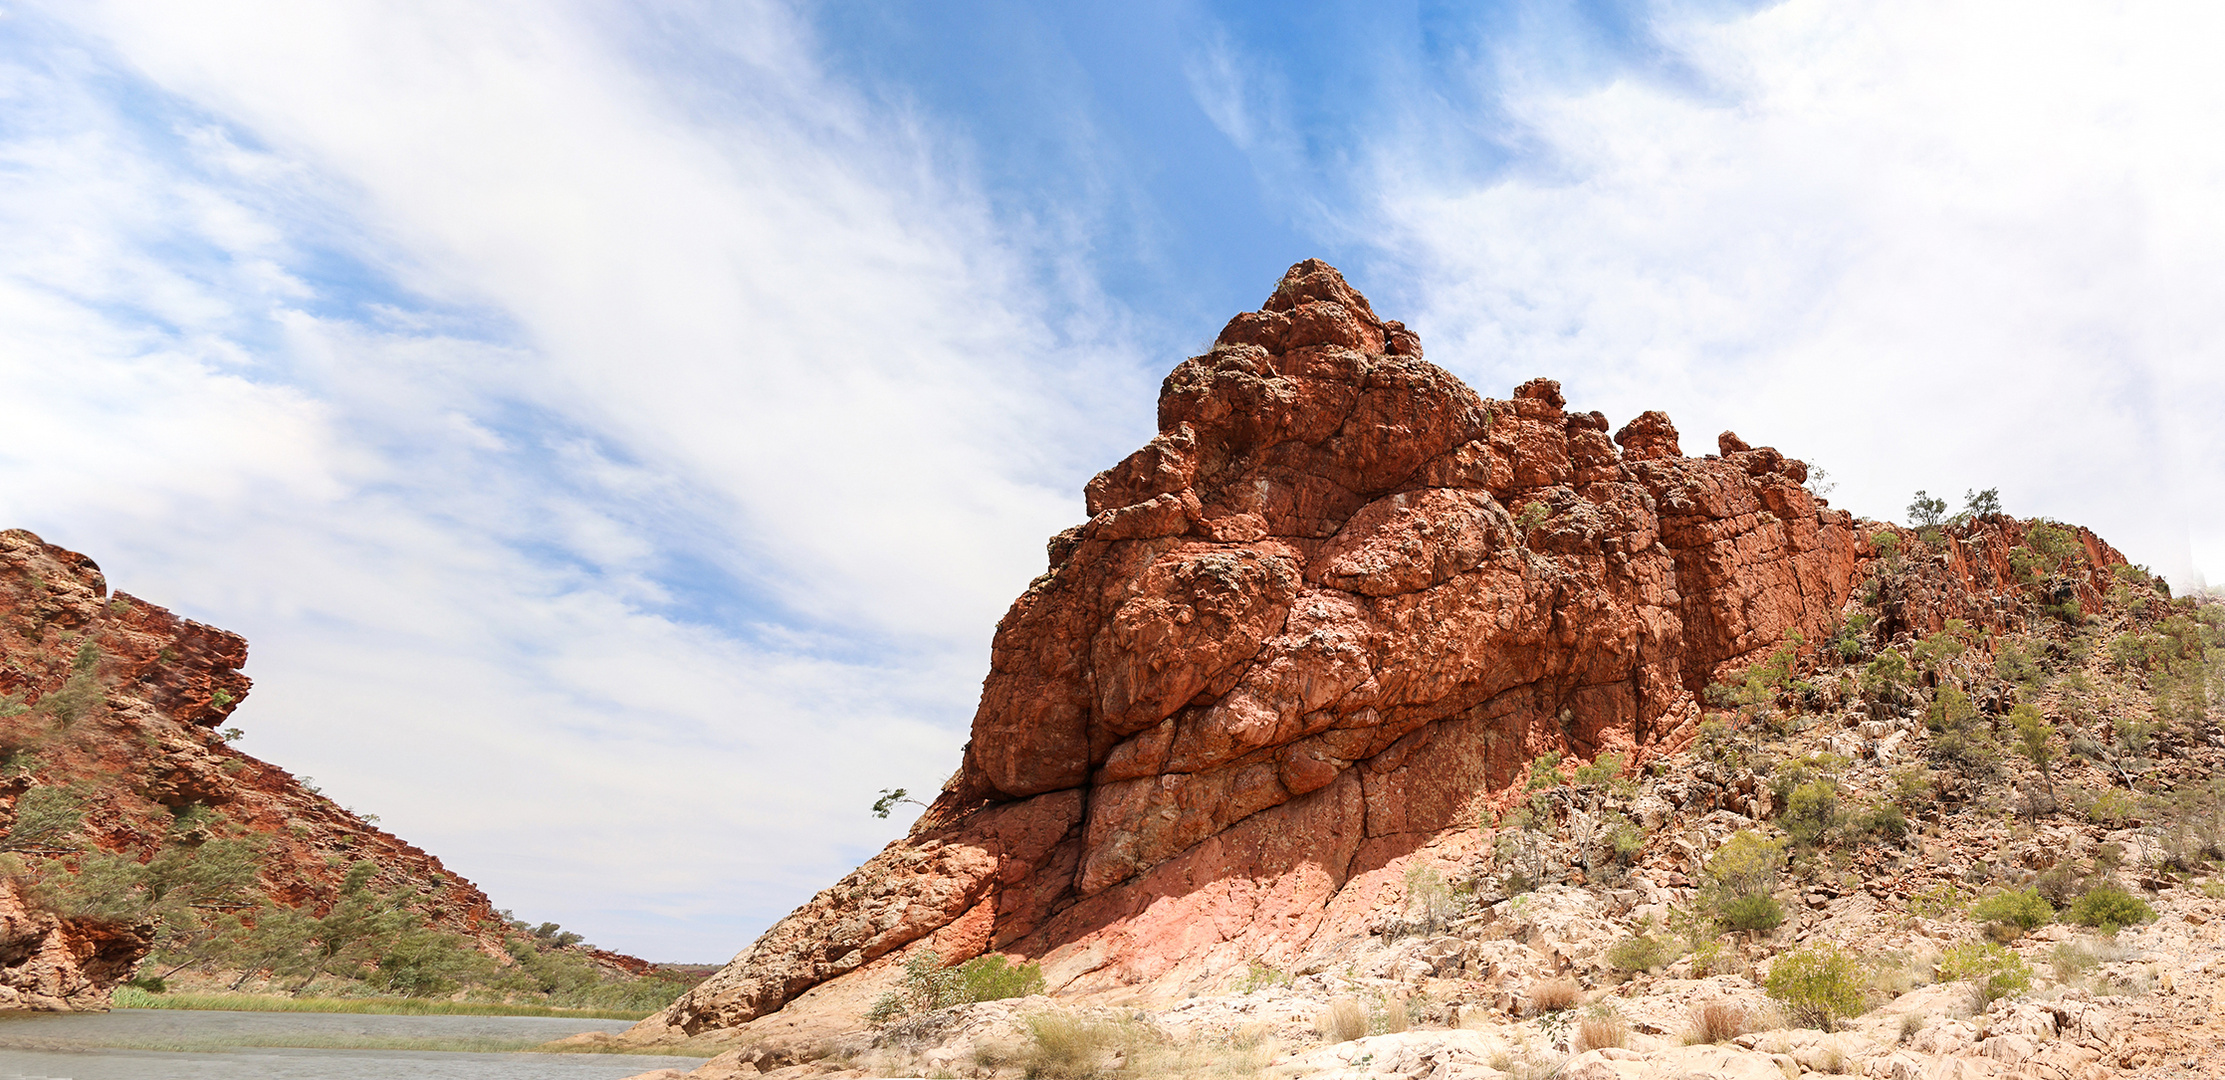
1338	604
120	700
52	964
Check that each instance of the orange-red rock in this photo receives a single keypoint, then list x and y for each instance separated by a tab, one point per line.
1334	607
143	745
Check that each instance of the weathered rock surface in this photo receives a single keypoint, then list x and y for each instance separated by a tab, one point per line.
122	698
1336	606
52	964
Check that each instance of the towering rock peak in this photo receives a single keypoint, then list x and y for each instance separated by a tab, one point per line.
1332	610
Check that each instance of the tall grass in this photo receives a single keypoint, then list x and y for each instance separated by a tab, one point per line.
131	997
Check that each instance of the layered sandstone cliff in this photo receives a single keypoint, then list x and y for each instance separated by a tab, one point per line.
118	701
1336	606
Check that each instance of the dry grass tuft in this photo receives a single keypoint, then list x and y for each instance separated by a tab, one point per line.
1063	1046
1394	1017
1597	1031
1344	1020
1554	995
1716	1022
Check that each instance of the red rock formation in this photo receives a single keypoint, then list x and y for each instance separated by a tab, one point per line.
52	964
1334	607
149	688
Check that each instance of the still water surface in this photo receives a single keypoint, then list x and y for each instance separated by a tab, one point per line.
164	1044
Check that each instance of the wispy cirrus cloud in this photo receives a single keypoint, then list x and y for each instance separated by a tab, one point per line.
586	456
1943	246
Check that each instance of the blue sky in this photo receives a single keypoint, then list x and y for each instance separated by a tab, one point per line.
618	427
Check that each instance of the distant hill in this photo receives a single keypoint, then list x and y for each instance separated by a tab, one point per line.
131	829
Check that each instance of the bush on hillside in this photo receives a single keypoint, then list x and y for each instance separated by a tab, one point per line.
2109	906
2025	909
1819	984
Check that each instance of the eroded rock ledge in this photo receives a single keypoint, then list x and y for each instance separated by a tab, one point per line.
1334	607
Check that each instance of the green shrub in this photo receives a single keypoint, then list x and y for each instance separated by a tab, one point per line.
1258	975
925	986
1993	969
2024	910
1641	951
1758	912
1430	903
990	977
1888	679
1740	877
1604	769
1545	772
2113	806
1811	812
1625	838
47	817
2109	906
1887	821
1819	984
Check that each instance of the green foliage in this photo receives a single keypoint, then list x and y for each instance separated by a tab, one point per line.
1604	769
1993	969
1532	516
47	818
2018	661
2024	910
1759	912
1641	951
1260	975
927	985
1746	865
2109	906
1739	879
1519	855
1545	772
1889	679
1934	651
1925	510
1911	785
1957	739
1847	637
1818	983
1625	838
2032	736
1885	819
1936	902
81	694
1977	504
1950	710
1430	903
428	963
2112	806
1718	743
886	804
1811	812
2042	563
991	977
1761	684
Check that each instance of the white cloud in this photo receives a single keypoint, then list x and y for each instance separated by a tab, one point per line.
617	482
1926	245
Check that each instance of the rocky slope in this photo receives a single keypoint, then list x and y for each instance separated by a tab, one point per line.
110	709
1334	610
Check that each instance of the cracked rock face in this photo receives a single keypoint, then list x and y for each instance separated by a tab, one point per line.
1337	604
